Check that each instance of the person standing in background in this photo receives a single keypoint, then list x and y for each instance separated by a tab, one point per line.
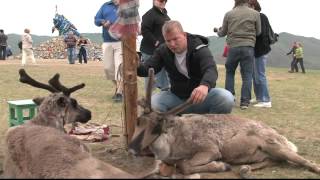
299	57
83	42
111	47
27	49
241	25
152	22
293	65
261	50
71	41
3	45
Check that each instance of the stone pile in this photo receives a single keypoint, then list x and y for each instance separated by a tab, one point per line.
55	49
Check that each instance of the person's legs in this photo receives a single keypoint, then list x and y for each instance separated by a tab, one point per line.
118	60
246	65
231	66
24	57
164	101
161	78
80	55
70	55
108	61
218	101
260	79
2	52
31	55
301	65
85	56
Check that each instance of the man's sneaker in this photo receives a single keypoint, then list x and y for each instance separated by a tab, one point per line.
117	97
244	106
263	105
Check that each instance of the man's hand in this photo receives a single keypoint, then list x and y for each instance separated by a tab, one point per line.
106	24
199	94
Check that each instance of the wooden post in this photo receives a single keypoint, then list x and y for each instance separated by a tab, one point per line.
130	87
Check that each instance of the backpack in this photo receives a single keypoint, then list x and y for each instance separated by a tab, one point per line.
273	37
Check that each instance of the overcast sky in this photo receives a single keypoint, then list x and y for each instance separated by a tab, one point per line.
197	16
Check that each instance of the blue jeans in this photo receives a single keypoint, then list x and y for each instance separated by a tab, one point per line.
218	101
161	78
71	52
260	85
244	56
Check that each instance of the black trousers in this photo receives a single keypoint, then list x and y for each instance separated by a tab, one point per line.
294	66
300	61
3	52
83	54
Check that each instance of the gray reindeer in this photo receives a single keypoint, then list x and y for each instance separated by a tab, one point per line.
196	143
40	148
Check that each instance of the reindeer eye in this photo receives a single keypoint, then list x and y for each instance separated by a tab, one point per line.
74	103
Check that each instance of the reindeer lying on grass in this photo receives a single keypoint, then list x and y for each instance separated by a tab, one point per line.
41	149
197	143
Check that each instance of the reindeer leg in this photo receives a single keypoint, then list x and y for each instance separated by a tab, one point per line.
291	156
203	162
245	170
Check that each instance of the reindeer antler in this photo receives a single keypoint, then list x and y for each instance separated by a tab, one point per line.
55	85
147	108
179	108
25	78
54	82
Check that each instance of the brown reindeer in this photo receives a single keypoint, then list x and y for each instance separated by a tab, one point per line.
41	149
197	143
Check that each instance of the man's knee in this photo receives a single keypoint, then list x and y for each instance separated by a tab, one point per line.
223	100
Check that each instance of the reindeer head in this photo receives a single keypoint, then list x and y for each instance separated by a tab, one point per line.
58	108
151	124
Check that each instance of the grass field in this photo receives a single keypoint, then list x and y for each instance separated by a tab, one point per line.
295	110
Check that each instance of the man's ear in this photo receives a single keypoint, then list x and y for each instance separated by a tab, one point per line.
38	100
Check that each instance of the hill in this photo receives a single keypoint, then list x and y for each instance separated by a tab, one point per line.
277	57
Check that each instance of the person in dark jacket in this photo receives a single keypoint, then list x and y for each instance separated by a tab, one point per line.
261	50
293	65
152	22
3	45
192	71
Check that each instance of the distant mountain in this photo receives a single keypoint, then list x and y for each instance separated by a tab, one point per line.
277	57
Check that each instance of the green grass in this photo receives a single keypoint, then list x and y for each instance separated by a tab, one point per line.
295	108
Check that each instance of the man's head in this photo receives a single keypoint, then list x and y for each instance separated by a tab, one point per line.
27	30
1	31
240	2
160	3
174	36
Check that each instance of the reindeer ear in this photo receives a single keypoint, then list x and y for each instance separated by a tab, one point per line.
62	102
38	100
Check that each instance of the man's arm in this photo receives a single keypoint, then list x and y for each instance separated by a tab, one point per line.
98	19
147	28
155	62
224	29
258	24
209	78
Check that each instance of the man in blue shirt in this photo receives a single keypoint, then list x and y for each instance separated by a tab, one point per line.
111	47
